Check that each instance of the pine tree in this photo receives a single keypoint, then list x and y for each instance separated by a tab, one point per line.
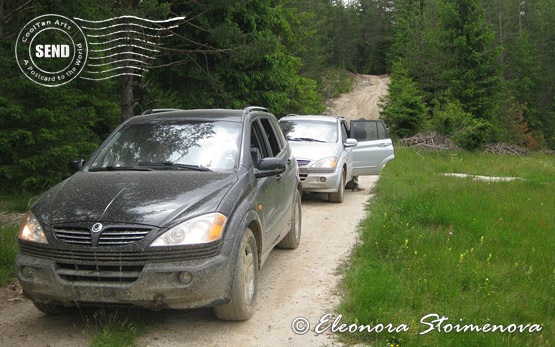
472	68
403	109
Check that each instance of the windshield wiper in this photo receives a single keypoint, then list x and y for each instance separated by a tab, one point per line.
172	165
120	168
308	139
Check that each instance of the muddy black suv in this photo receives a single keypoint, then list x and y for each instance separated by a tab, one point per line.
176	209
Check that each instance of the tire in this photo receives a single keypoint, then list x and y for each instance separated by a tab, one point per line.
293	237
50	308
338	196
245	284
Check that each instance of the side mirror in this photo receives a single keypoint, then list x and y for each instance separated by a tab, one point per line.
351	142
76	165
269	167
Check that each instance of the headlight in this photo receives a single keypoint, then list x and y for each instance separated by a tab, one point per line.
326	163
201	229
31	230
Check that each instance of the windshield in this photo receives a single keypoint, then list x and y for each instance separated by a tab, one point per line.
313	131
172	144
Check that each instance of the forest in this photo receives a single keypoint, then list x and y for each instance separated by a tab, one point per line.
478	71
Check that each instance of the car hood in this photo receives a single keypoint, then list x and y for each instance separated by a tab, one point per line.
313	150
154	198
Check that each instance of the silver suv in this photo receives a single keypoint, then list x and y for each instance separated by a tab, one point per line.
330	154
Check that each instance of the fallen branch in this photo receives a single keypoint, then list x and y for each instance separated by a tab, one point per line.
505	149
429	142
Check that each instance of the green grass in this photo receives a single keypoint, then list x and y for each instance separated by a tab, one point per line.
8	251
117	328
475	252
16	202
10	203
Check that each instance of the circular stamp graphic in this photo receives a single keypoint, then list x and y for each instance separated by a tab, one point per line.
51	50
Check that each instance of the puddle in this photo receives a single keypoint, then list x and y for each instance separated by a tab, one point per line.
484	178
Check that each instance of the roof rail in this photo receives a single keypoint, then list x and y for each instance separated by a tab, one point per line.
249	109
158	110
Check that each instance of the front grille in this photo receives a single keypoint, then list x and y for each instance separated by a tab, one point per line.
111	235
98	273
74	235
88	255
121	235
303	176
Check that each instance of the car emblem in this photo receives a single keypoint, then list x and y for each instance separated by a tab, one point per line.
96	227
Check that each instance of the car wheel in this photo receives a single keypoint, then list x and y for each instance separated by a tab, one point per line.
338	196
293	237
243	293
50	308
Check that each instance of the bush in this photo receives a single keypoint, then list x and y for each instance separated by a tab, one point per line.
451	120
474	134
448	117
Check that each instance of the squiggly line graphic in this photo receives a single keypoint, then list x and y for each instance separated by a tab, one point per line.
118	61
126	53
123	46
118	50
128	25
113	76
131	17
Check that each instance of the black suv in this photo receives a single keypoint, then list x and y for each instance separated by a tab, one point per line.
176	209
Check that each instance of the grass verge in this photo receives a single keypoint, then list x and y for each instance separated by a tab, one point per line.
8	251
477	253
11	205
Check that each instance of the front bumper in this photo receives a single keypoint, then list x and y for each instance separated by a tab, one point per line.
320	182
177	284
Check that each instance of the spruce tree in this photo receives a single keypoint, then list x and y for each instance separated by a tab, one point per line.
472	68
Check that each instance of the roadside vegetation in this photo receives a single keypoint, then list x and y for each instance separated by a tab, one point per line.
8	250
11	206
117	328
475	252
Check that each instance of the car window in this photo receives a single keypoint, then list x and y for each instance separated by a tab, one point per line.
258	147
184	142
275	144
369	130
382	131
311	130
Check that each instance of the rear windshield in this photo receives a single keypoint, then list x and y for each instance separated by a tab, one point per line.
212	145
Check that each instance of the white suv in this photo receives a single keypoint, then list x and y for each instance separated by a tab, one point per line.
330	154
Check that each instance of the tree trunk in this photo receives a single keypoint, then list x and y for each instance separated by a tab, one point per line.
1	19
127	98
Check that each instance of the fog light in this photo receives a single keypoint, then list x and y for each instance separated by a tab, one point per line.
185	277
27	272
322	179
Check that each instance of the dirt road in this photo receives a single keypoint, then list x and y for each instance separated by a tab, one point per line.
292	284
363	101
298	283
